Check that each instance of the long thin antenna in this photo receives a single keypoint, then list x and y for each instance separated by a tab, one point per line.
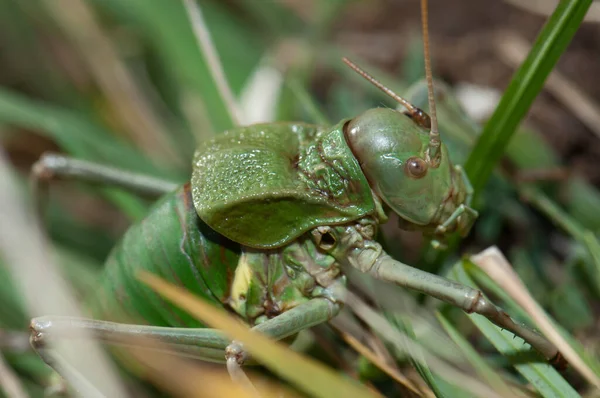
418	115
434	152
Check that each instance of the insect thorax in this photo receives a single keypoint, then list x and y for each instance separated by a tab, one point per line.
286	179
270	282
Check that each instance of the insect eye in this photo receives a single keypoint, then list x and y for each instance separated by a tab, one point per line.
416	167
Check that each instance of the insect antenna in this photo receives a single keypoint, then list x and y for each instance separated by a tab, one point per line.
418	115
434	154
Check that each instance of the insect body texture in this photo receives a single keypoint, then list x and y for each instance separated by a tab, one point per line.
266	184
173	243
258	191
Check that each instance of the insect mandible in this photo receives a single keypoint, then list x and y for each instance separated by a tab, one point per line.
272	215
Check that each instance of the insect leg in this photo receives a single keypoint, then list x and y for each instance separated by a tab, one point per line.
468	299
53	167
304	316
202	343
460	210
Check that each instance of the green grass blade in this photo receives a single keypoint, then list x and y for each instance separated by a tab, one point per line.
523	89
482	279
479	364
167	27
546	380
438	385
584	236
309	375
75	133
81	137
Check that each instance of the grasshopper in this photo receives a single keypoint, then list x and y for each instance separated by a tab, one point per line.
271	217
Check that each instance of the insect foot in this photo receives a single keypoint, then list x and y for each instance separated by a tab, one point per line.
37	327
234	352
235	356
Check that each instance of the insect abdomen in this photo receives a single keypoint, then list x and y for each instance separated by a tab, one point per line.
174	244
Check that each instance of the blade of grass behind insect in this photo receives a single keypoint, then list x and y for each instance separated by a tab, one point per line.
81	137
483	279
438	385
524	87
24	249
479	364
166	25
213	61
76	133
125	100
584	236
583	202
273	17
390	330
306	374
300	57
493	262
307	102
27	57
9	382
546	380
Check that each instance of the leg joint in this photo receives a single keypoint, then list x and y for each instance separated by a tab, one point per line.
38	328
235	352
47	165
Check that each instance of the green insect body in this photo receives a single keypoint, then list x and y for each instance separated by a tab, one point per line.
272	216
257	193
269	183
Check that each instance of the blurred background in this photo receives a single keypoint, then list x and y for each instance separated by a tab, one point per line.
124	83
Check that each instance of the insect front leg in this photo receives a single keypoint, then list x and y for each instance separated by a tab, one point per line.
205	344
468	299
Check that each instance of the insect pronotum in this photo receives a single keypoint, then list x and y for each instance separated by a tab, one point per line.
272	214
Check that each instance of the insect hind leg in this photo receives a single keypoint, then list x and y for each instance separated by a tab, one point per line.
202	343
51	167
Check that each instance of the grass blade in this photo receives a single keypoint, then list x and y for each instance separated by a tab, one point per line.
523	89
479	364
497	267
212	60
306	374
540	374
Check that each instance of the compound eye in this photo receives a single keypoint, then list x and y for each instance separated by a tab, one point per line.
416	167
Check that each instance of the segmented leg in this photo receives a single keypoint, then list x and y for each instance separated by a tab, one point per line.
460	210
206	344
54	167
469	299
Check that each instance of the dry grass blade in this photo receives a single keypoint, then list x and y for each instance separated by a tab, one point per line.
112	76
260	96
9	382
493	262
25	252
186	378
514	49
404	343
308	375
212	59
371	356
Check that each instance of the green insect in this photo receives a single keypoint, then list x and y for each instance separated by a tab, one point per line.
272	216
